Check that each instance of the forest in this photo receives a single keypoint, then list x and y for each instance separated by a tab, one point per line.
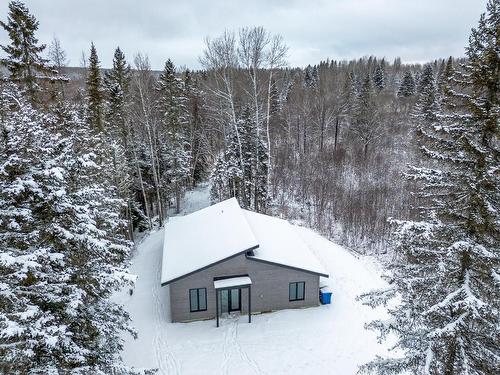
396	160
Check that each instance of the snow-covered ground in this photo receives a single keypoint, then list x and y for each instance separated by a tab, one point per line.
327	339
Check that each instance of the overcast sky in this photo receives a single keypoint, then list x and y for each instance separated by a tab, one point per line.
415	30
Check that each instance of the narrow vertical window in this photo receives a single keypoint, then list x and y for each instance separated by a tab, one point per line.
300	291
297	291
202	299
292	291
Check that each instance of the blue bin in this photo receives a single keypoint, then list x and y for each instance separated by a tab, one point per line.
325	297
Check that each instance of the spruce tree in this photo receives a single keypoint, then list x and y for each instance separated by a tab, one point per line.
425	115
94	91
446	74
62	251
172	102
175	118
247	137
311	76
447	271
227	175
349	94
23	60
274	99
116	84
379	76
426	79
365	119
407	85
261	200
427	106
218	181
197	136
247	181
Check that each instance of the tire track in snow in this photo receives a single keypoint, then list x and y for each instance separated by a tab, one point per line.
167	363
164	365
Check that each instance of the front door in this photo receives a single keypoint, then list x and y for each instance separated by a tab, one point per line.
230	300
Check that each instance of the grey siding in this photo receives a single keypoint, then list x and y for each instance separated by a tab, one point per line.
269	288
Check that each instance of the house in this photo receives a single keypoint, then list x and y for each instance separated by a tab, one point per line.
224	258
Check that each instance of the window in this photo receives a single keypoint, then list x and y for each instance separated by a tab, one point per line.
198	299
296	291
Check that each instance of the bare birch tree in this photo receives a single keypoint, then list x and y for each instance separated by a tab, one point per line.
143	82
221	60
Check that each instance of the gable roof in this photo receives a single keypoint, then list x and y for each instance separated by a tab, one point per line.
203	238
216	233
280	244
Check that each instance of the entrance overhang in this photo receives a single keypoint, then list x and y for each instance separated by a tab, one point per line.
233	282
240	282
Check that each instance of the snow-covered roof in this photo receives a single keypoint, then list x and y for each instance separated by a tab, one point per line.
205	237
232	281
213	234
280	244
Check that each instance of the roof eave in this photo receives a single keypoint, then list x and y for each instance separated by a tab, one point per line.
287	266
208	266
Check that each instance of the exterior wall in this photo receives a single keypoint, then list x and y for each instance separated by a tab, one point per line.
269	288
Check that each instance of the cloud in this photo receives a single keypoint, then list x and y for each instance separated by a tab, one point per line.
314	29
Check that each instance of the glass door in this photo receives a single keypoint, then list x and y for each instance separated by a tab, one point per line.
224	301
235	303
230	300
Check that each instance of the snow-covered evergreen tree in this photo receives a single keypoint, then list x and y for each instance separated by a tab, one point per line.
172	102
94	91
24	60
379	76
116	85
227	175
446	74
246	126
311	76
197	135
254	164
447	271
62	253
218	179
365	125
261	199
247	182
428	107
175	116
349	94
178	159
117	124
407	85
426	79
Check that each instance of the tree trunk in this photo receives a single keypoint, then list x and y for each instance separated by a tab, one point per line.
268	120
336	133
153	158
130	221
450	361
177	198
141	183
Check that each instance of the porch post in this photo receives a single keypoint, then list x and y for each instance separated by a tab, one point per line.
249	304
217	305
